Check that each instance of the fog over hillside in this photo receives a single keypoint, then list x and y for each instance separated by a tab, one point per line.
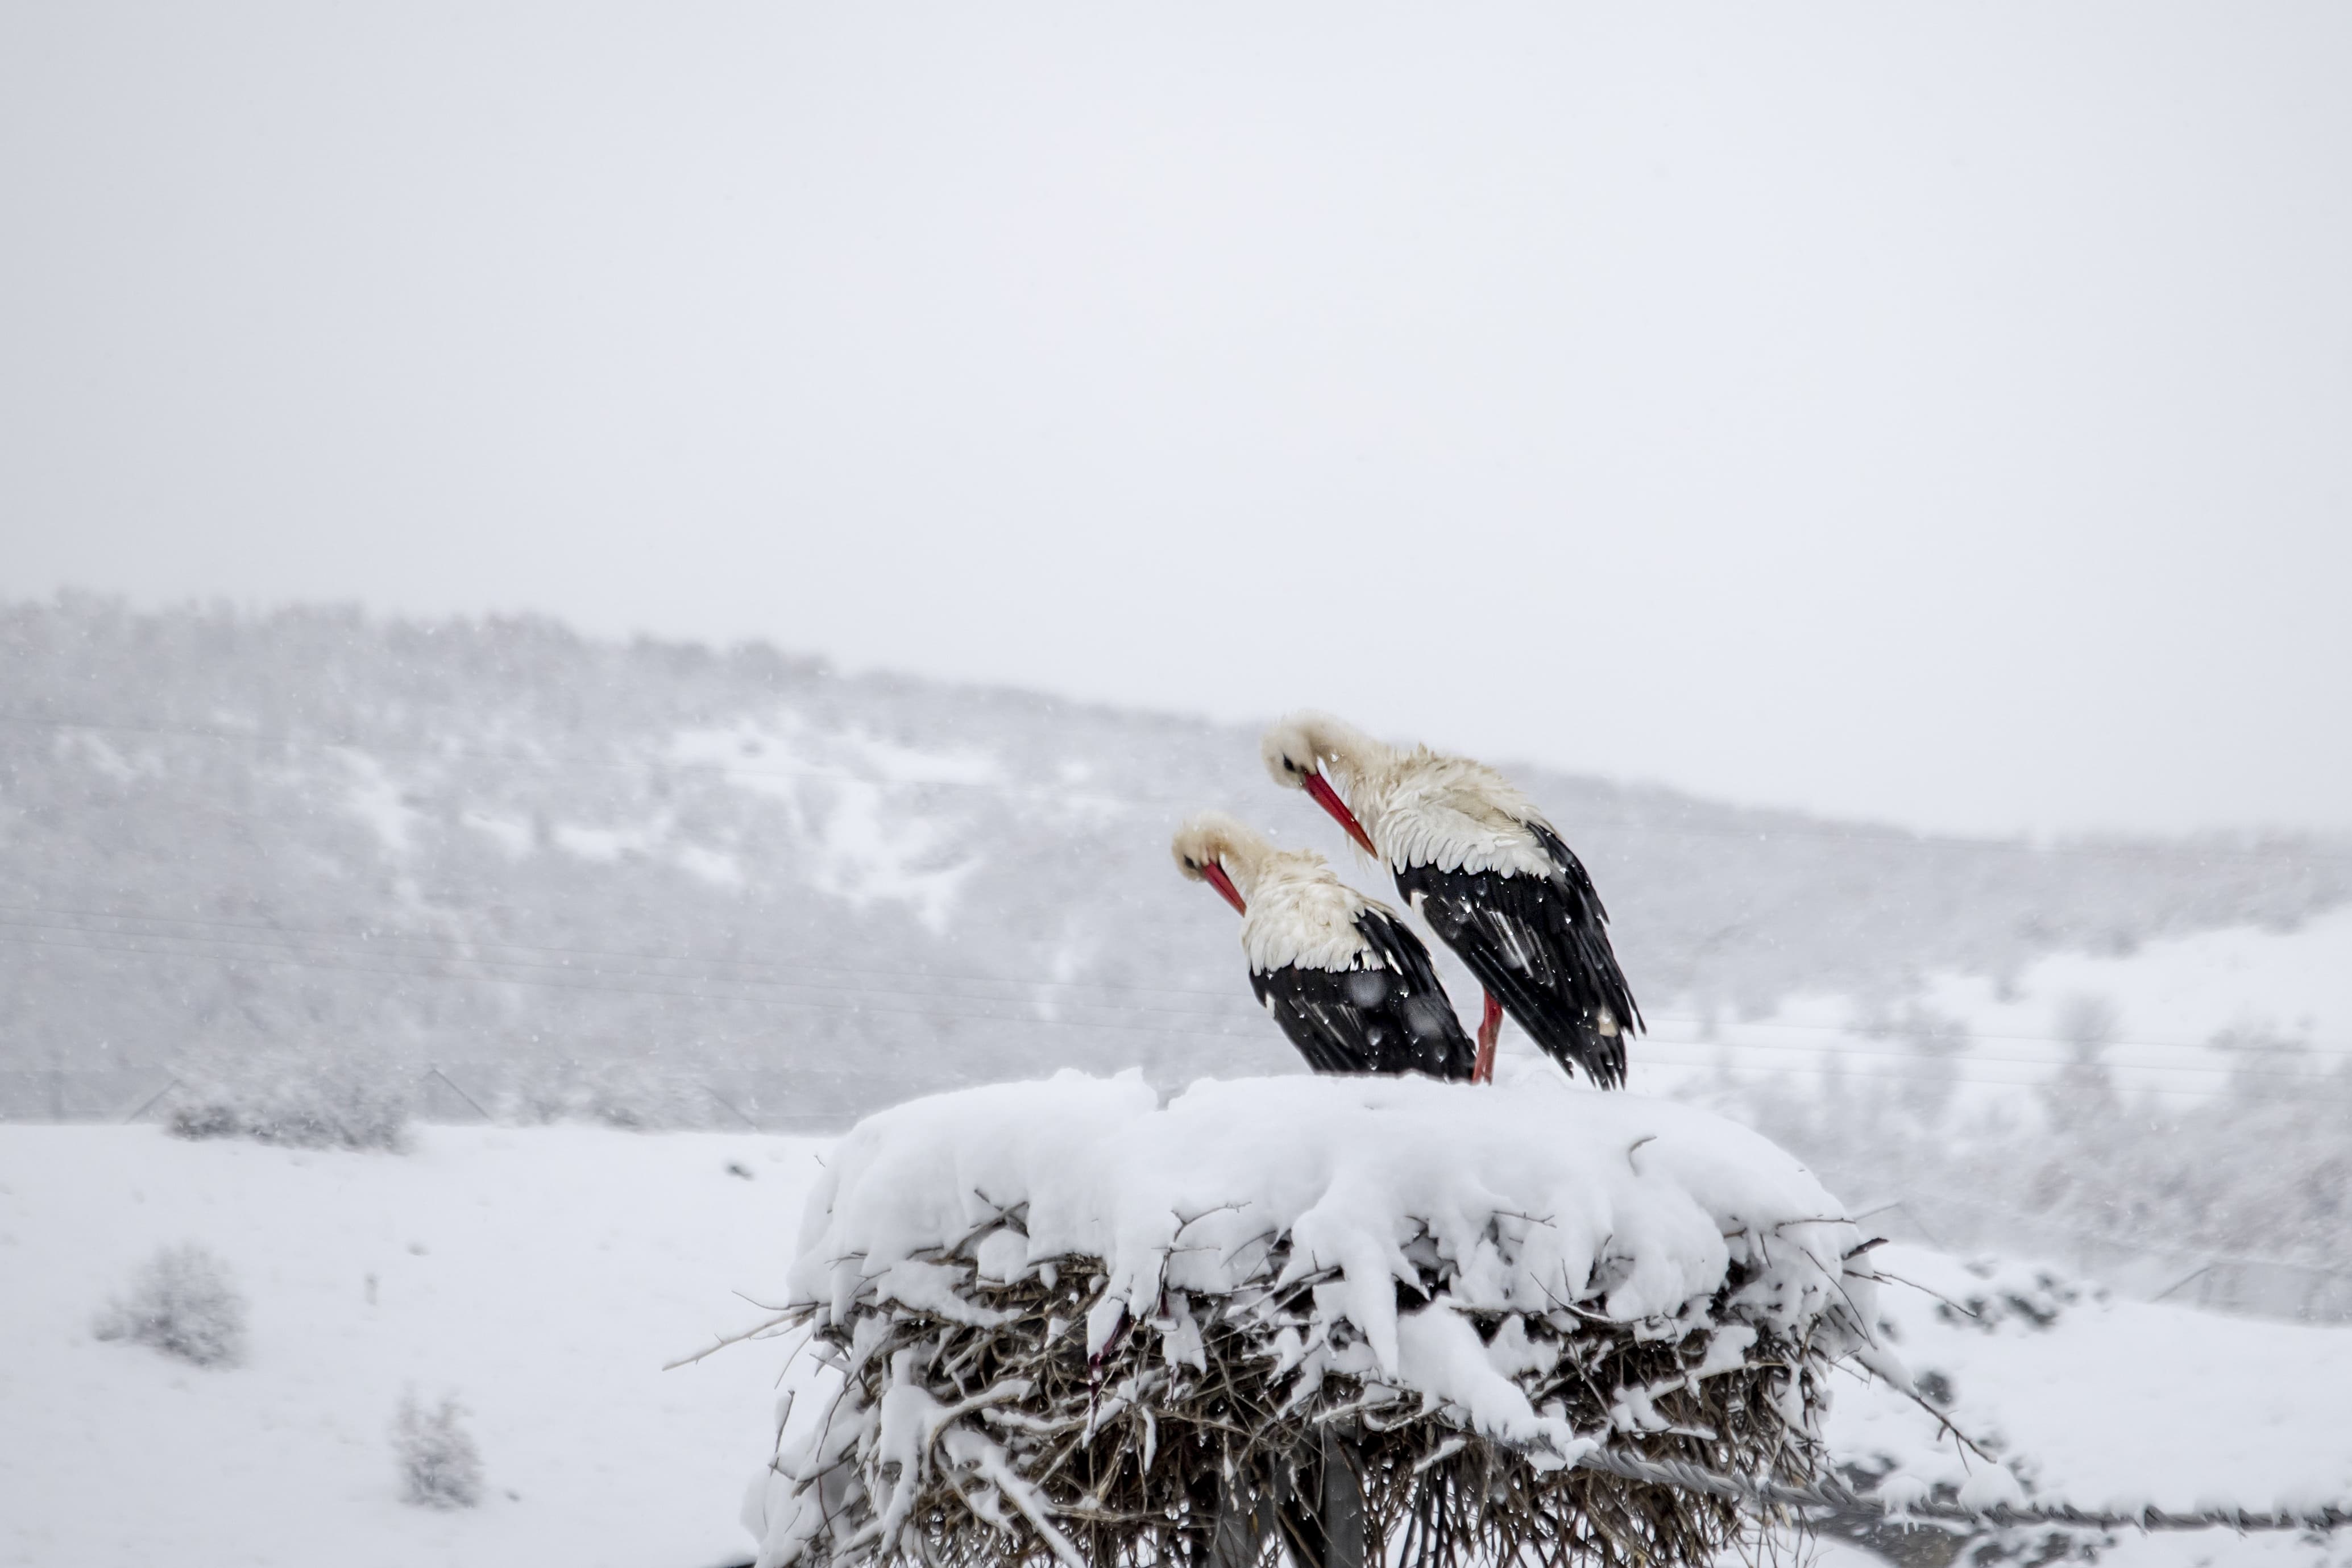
512	852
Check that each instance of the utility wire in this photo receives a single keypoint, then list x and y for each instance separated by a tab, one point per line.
1967	1033
2019	1218
706	997
283	935
131	947
653	763
1844	1053
624	953
583	978
296	949
1890	836
288	951
1649	1053
1832	1493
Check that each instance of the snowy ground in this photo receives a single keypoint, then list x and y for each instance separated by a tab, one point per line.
2111	1404
545	1274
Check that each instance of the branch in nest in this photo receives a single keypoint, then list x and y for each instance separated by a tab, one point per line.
791	1317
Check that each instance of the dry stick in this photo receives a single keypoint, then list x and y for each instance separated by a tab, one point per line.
1883	1277
1942	1421
782	1320
145	1104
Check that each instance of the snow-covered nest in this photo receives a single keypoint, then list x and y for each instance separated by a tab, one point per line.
1060	1322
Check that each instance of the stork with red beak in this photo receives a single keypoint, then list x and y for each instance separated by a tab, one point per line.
1475	859
1344	977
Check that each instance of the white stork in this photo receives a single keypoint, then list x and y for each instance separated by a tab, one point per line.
1478	861
1344	977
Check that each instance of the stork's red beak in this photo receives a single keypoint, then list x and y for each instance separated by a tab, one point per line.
1329	799
1214	875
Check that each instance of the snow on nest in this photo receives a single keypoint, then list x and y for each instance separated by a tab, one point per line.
1531	1199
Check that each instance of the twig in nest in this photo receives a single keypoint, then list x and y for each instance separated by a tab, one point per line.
783	1319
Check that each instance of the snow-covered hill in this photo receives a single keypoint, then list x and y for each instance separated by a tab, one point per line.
545	1274
500	847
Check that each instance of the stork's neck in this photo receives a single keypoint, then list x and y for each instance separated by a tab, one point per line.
1274	872
1299	913
1372	780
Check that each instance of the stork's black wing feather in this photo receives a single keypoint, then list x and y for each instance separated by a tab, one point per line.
1391	1020
1541	947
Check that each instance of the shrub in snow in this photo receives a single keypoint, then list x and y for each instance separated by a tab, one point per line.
631	1095
1060	1324
308	1102
439	1466
2012	1293
2087	1022
184	1304
1936	1042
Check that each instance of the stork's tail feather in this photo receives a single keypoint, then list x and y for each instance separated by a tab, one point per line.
1540	946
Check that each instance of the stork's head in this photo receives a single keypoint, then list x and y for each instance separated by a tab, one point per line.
1301	749
1208	844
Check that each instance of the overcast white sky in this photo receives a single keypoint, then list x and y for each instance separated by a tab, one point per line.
1938	414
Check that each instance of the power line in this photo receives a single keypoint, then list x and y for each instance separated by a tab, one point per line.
2020	1219
296	947
2303	851
2040	1085
282	936
527	759
1842	1052
624	953
1833	1493
295	950
706	997
1960	1046
498	966
1924	1071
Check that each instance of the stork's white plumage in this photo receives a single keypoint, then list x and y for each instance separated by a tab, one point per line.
1343	976
1480	862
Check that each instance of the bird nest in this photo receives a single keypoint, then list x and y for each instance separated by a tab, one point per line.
978	1430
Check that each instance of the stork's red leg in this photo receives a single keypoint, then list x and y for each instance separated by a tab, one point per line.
1490	1028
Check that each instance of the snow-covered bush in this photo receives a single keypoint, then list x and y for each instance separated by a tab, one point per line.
1059	1323
184	1304
636	1096
2009	1293
308	1102
439	1465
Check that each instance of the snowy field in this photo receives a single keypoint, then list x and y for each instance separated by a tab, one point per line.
2110	1404
545	1274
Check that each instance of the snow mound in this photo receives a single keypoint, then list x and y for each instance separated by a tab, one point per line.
1533	1200
1511	1276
